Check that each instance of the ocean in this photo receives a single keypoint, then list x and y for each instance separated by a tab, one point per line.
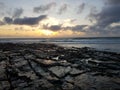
101	43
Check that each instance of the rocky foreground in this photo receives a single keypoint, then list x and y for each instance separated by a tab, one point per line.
50	67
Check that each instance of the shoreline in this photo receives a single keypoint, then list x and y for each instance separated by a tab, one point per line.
40	66
104	44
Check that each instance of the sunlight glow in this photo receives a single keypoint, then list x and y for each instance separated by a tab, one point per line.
47	32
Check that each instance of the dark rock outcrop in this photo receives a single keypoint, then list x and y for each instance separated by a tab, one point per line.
50	67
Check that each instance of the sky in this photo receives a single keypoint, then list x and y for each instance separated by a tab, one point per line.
59	18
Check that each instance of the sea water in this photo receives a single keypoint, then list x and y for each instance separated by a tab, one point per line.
100	43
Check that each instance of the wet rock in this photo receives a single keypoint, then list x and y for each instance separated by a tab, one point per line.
63	63
45	62
50	67
3	74
75	71
88	82
55	58
69	79
60	71
23	68
75	65
3	71
2	56
41	55
110	72
84	81
29	74
67	86
105	83
4	85
39	70
20	62
19	83
29	57
42	84
18	59
115	80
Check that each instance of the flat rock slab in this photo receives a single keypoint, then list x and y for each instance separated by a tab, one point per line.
60	71
88	82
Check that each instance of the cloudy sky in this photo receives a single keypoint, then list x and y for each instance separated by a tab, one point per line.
59	18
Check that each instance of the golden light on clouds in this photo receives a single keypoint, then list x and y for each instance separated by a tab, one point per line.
38	31
13	31
50	21
48	33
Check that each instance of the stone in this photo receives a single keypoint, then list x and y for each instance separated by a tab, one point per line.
29	57
3	71
84	81
88	82
49	77
21	63
60	71
29	74
19	83
67	86
64	63
56	58
4	85
69	79
105	83
42	72
43	84
18	59
45	62
75	71
41	55
2	57
2	74
24	68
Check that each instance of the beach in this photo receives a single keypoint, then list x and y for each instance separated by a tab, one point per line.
43	66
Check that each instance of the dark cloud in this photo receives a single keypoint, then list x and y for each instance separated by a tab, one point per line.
25	21
8	20
43	8
17	13
76	28
53	27
113	2
63	8
60	27
115	30
101	31
81	8
109	15
93	14
29	20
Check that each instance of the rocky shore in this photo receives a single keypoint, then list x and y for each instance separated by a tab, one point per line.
51	67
